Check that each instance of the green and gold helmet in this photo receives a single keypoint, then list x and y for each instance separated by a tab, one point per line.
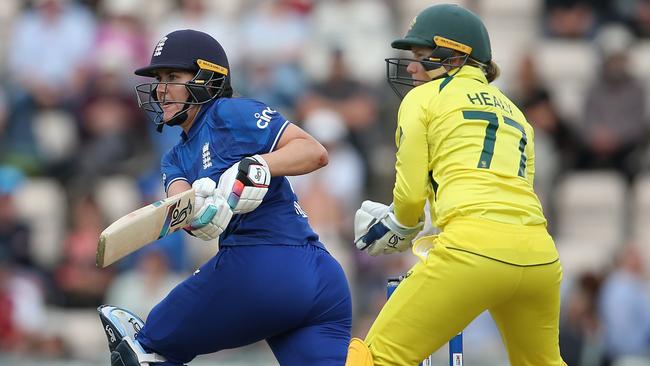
451	31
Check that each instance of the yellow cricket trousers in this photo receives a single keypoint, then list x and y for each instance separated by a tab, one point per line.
449	287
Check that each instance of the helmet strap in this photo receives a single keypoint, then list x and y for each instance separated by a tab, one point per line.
439	64
437	73
179	118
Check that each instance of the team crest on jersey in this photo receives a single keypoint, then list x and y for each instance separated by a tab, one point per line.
159	47
205	155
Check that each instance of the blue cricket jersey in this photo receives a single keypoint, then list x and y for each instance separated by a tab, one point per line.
224	132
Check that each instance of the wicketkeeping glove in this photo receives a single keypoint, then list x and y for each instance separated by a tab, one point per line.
377	230
212	211
245	184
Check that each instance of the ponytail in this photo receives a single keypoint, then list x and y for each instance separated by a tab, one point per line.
492	71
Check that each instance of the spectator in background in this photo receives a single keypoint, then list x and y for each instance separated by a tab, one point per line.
569	18
555	138
555	142
22	295
273	39
144	286
625	308
527	81
22	313
122	40
113	130
352	100
49	45
542	113
14	234
172	246
614	127
641	21
344	174
580	329
4	138
636	14
78	281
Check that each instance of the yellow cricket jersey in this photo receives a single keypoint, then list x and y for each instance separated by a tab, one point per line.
468	149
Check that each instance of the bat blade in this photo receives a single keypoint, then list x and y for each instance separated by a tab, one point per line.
143	226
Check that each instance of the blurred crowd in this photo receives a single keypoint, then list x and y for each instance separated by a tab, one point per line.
76	152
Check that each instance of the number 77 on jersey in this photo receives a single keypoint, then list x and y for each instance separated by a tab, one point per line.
143	226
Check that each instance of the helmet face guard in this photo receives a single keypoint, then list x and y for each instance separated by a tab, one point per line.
436	66
455	35
204	87
191	51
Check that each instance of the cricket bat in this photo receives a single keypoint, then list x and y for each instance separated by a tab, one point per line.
144	225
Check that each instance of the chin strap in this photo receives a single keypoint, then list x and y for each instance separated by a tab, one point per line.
178	118
442	71
437	73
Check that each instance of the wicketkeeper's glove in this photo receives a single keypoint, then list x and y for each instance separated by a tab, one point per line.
213	213
377	230
245	184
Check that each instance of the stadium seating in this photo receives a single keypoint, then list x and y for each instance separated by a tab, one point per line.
640	213
41	203
591	218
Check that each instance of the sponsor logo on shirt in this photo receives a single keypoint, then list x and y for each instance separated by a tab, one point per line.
264	118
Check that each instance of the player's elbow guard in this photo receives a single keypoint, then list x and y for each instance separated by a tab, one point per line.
245	184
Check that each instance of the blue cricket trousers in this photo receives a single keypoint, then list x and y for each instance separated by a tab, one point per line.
295	297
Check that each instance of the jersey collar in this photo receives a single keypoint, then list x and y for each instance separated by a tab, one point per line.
471	72
198	121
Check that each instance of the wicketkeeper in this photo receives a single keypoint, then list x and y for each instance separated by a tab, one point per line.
467	149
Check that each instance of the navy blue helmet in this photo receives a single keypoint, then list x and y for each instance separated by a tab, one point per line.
186	50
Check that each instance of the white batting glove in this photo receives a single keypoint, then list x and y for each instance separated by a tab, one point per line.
377	230
213	213
203	188
245	184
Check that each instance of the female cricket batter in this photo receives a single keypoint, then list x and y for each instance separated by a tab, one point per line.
468	149
271	279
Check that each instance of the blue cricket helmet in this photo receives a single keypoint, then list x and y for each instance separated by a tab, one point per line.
182	49
187	50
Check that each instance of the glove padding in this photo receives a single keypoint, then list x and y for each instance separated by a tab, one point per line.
245	184
377	230
213	212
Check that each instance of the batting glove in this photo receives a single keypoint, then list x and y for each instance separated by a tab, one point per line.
245	184
377	230
213	213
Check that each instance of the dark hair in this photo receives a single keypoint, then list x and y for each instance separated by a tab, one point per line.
492	71
227	89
